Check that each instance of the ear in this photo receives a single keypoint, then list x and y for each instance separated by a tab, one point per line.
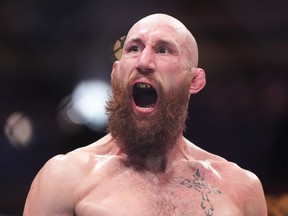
198	80
114	69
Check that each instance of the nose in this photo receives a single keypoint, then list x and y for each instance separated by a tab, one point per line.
146	61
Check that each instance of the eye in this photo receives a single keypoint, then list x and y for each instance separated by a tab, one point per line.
134	49
164	50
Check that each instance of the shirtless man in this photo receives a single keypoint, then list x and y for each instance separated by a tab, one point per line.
144	166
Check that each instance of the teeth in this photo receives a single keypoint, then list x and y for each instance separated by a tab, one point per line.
143	85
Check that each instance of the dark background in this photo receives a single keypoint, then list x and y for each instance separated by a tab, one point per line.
48	46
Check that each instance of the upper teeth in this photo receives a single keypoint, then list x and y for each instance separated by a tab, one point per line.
143	85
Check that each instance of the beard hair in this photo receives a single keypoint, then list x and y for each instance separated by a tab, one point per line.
147	137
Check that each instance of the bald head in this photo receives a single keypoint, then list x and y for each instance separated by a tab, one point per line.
181	33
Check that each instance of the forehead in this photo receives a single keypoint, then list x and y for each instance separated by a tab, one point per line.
157	30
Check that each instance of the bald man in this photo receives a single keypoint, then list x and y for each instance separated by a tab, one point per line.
144	166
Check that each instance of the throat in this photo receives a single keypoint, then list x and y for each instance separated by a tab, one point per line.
151	163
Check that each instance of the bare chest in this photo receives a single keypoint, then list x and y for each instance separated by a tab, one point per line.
133	194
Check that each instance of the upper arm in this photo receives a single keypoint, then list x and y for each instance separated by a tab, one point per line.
51	192
255	203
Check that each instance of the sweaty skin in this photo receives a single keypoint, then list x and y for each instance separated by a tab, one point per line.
95	180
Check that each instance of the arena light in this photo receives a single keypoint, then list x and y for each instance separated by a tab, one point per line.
88	104
19	130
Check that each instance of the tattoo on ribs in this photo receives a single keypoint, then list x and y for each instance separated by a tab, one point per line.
204	188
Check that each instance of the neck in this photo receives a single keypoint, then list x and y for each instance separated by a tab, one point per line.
152	164
157	163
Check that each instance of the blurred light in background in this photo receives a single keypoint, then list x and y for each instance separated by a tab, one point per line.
19	130
87	105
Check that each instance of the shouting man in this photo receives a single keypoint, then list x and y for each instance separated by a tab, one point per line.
145	166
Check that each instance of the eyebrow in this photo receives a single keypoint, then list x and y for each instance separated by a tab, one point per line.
161	42
133	40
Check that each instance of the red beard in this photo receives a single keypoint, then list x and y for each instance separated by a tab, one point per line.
147	137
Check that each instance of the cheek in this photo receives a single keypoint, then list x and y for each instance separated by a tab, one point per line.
172	76
122	74
170	82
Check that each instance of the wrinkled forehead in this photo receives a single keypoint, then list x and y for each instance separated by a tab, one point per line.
161	26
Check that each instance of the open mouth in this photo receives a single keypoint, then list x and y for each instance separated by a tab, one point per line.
144	95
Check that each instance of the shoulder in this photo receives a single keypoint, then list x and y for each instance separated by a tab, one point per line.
57	186
71	167
240	180
62	166
242	184
77	163
59	175
53	190
249	190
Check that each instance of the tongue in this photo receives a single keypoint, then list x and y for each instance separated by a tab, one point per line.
145	101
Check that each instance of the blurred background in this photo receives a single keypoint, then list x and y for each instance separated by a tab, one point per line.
55	62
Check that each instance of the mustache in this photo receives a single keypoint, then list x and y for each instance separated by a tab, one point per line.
150	77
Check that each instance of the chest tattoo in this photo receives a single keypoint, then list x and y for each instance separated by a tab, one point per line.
198	183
